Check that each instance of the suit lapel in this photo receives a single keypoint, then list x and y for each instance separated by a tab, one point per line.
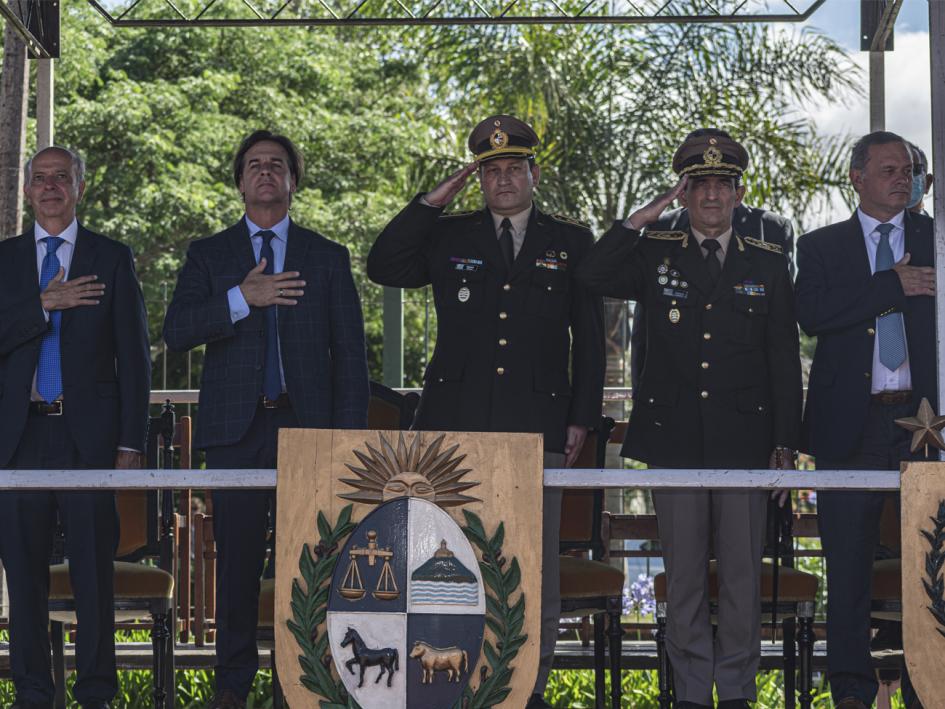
486	240
855	246
27	253
736	267
537	237
692	265
242	247
919	311
296	251
83	263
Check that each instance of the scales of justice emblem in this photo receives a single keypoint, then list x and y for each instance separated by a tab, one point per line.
406	606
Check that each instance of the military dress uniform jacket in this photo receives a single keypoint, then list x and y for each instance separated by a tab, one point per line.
517	352
721	385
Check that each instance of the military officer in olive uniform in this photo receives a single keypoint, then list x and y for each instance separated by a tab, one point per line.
520	344
721	388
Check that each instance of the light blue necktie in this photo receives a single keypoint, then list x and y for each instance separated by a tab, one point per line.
892	335
49	370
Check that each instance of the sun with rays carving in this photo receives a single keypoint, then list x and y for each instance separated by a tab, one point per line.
409	471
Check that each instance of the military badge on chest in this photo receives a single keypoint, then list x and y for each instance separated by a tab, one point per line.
673	285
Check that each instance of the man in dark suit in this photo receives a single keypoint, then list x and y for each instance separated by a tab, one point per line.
278	310
511	320
864	290
75	374
750	221
721	389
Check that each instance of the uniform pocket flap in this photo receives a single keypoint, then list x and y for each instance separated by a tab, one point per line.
666	394
751	304
550	280
440	371
752	400
555	383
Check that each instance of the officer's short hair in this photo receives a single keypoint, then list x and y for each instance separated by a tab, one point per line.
861	151
296	165
78	164
923	162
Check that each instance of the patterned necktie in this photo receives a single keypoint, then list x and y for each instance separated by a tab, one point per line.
505	243
49	370
889	328
712	264
272	381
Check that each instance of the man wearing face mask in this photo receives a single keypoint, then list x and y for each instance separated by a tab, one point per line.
511	320
921	180
721	389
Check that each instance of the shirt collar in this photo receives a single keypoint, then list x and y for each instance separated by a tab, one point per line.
69	234
280	228
519	221
869	223
723	239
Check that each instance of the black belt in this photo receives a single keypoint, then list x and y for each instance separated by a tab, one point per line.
280	402
891	398
42	408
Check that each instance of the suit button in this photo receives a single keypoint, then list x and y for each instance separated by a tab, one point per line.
440	379
867	375
705	365
706	335
704	394
870	331
503	342
650	399
506	287
708	306
503	315
258	367
500	371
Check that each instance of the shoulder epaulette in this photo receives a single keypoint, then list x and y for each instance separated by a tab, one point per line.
568	220
459	214
766	245
667	235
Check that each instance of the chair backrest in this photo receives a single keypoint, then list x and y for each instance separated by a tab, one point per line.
140	512
389	410
581	509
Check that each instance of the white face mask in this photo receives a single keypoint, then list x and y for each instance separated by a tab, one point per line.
918	190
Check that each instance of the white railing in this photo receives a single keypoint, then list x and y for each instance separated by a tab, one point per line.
262	478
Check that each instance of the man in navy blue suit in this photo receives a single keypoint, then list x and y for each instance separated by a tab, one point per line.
865	290
75	373
278	310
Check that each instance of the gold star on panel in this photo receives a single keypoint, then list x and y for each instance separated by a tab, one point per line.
926	428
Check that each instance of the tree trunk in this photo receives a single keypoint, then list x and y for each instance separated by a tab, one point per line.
14	91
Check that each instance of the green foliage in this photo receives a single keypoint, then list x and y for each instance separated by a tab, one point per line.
382	114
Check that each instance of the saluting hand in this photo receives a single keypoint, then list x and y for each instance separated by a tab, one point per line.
443	193
262	290
645	216
61	295
916	280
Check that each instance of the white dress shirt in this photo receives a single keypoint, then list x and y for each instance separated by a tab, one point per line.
886	379
519	226
239	308
723	239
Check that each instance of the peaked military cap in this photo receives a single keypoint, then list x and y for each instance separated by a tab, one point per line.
502	137
710	152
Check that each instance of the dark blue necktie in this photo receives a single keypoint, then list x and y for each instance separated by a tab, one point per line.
272	381
890	328
49	370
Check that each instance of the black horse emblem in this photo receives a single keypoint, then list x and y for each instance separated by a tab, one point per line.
386	657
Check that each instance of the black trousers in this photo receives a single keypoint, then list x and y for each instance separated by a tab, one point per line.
27	526
849	532
240	523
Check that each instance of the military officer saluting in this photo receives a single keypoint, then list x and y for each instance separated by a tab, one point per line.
520	344
721	388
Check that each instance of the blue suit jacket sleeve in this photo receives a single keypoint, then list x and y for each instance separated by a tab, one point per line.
348	351
196	316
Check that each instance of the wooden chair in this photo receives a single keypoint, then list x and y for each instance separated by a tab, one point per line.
142	590
589	586
788	596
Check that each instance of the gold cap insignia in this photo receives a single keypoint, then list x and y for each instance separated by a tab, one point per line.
713	141
712	156
499	138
